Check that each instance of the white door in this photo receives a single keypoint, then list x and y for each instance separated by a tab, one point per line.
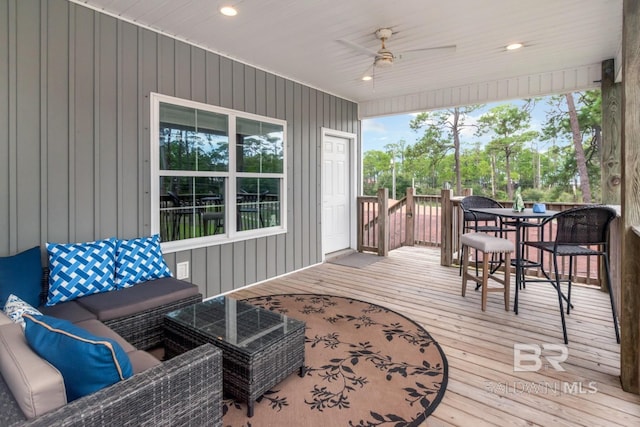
336	193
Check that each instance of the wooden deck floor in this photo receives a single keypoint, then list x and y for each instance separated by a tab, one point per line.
483	388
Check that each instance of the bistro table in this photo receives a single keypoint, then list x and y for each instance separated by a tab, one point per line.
519	220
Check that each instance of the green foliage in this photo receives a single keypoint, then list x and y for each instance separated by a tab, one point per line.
543	164
533	195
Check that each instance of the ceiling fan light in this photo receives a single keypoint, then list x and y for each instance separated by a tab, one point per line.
384	62
228	11
367	78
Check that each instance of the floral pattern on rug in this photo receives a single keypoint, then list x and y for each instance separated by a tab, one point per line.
365	366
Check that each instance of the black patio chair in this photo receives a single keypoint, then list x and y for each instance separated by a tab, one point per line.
580	231
250	210
182	212
482	223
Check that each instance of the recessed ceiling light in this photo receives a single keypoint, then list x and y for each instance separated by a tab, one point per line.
514	46
366	78
228	11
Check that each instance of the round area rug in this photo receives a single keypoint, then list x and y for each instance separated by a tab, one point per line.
365	366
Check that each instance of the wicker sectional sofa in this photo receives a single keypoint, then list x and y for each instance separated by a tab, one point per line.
186	390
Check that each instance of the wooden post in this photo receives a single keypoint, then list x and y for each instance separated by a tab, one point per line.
383	221
611	134
446	218
409	237
610	161
360	222
630	268
458	225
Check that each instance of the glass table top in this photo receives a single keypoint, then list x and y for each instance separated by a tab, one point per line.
247	327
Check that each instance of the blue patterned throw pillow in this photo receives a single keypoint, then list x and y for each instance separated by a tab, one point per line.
15	308
139	260
87	363
79	269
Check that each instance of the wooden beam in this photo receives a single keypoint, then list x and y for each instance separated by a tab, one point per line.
409	239
383	221
610	161
446	251
611	133
360	225
630	269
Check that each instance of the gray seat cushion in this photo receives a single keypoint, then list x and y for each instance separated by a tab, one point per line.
144	296
141	361
70	310
99	329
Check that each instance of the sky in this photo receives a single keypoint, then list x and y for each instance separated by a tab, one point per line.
380	131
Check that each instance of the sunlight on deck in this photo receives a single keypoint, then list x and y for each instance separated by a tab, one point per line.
484	388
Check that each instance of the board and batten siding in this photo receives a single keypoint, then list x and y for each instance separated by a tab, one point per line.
74	136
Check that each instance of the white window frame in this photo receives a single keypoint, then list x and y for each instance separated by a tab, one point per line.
230	234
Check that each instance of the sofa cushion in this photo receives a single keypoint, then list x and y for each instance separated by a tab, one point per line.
36	386
78	269
70	310
87	363
139	260
4	319
15	308
99	329
21	275
145	296
141	361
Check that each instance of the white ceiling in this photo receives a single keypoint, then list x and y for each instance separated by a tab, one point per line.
299	39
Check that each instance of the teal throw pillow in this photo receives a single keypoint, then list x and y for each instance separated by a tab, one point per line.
21	275
87	363
139	260
79	269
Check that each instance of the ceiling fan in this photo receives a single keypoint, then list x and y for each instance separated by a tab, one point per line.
383	57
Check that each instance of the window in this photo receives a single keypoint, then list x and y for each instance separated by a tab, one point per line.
200	155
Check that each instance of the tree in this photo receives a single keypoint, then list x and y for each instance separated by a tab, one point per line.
375	163
577	121
577	144
508	125
447	125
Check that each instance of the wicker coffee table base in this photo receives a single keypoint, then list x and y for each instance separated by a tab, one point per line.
244	377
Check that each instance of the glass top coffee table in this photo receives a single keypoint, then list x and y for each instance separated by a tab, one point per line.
259	347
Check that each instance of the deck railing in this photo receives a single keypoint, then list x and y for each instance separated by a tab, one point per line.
436	220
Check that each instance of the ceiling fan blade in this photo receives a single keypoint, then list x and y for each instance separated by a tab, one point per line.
413	52
358	48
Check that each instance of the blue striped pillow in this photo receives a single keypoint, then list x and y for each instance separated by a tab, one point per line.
79	269
139	260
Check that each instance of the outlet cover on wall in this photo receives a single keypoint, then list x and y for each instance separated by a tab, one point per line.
182	270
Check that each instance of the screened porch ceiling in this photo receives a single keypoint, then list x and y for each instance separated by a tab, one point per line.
312	42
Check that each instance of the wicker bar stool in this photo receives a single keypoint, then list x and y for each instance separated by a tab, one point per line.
487	245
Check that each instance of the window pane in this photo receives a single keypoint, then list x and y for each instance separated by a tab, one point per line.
191	207
259	146
193	140
258	203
